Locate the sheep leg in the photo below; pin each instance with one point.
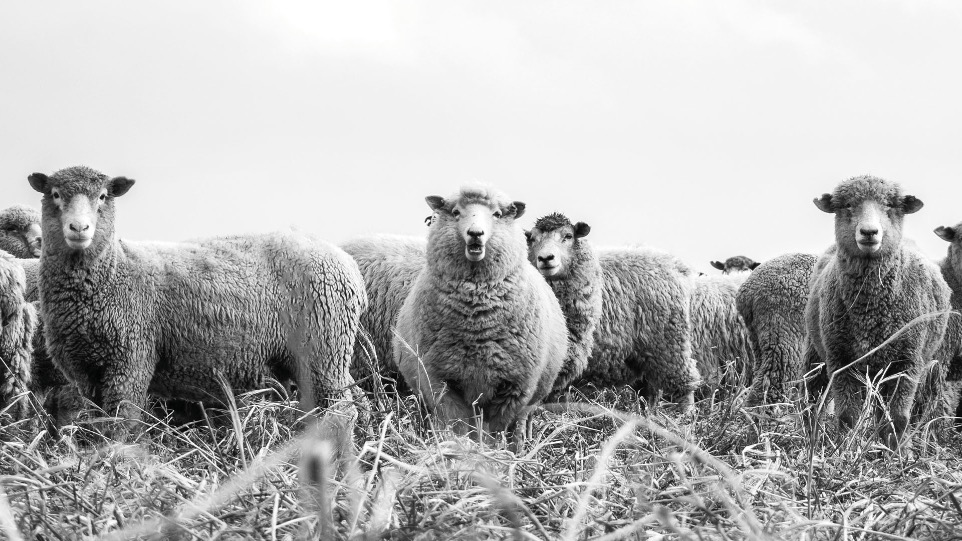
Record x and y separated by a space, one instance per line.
123 393
900 408
849 395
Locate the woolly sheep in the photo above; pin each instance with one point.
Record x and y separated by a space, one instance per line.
390 264
481 328
562 254
643 332
865 290
17 327
20 231
719 336
123 318
772 302
735 264
951 350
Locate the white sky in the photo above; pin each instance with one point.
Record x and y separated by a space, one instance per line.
704 128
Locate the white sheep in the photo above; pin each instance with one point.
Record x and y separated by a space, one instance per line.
772 302
863 291
20 231
124 319
951 350
18 319
480 330
719 337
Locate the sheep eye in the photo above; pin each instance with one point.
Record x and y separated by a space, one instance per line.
103 197
569 236
497 214
455 213
56 195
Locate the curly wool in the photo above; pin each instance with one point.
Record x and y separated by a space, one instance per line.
19 321
719 335
489 334
124 318
772 302
19 231
950 351
390 264
857 302
645 329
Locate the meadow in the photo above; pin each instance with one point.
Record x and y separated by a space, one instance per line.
598 466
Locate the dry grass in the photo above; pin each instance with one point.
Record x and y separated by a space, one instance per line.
595 469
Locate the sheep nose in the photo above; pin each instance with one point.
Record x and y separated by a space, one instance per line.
546 258
475 234
78 229
868 232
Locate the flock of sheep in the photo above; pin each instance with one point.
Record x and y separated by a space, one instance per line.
483 320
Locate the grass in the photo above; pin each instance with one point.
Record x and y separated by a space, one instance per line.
597 468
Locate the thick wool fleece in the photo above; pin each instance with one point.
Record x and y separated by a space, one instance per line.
772 301
579 292
858 302
20 231
719 336
950 352
390 264
645 327
124 319
18 319
489 334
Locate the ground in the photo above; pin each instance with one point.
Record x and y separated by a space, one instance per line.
595 468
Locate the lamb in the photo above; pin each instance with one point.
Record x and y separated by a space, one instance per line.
20 231
734 264
480 328
866 289
951 350
562 254
643 332
719 335
19 319
390 264
124 319
772 302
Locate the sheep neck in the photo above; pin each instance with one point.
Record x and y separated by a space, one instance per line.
86 272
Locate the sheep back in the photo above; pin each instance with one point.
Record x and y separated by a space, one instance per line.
720 341
19 320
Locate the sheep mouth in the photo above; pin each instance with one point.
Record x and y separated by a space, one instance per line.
78 242
474 251
548 270
869 246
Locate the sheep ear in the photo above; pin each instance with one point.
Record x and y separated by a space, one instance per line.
824 203
120 185
527 234
429 220
39 182
436 202
946 233
718 265
754 265
517 208
911 204
581 230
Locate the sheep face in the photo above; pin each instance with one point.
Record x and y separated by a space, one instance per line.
869 213
78 206
952 235
738 263
552 243
20 231
471 222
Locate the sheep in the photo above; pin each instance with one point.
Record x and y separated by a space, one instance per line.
563 255
480 328
865 289
124 319
719 335
643 333
20 231
17 329
389 264
735 264
951 350
772 301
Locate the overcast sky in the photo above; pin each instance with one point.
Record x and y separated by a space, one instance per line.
704 128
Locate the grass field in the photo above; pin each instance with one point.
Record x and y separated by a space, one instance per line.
594 469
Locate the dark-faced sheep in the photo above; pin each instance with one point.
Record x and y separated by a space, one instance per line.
20 231
643 334
772 302
480 330
124 319
865 290
951 350
735 264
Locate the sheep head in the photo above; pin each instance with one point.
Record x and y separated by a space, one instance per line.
738 263
20 231
473 220
78 206
552 244
952 235
869 213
